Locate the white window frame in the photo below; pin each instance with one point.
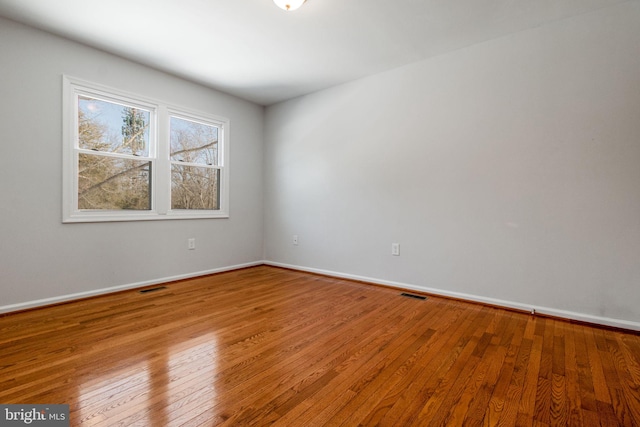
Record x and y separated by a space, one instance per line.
159 134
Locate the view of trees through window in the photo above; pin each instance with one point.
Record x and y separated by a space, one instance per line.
115 159
194 151
109 175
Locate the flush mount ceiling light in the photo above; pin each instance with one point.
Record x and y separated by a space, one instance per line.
289 5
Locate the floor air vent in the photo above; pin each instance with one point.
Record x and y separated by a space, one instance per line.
146 291
404 294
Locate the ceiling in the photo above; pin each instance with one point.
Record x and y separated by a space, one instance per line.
256 51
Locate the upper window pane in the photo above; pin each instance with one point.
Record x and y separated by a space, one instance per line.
112 127
193 142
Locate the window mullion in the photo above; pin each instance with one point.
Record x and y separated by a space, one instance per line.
162 189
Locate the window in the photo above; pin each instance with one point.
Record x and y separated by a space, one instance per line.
130 158
195 174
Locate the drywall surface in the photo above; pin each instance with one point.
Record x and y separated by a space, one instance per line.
40 257
509 170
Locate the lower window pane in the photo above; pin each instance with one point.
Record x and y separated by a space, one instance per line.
113 184
195 187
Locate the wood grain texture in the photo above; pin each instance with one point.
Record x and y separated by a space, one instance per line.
265 345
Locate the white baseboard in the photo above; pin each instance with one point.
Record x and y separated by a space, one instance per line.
603 321
66 298
597 320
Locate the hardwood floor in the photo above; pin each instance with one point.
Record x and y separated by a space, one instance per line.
265 346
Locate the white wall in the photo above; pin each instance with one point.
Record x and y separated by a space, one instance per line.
43 259
508 171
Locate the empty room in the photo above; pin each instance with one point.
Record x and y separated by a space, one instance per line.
320 213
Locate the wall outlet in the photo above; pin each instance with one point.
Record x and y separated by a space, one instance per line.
295 239
191 244
395 249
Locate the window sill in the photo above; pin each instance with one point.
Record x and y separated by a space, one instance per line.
84 217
